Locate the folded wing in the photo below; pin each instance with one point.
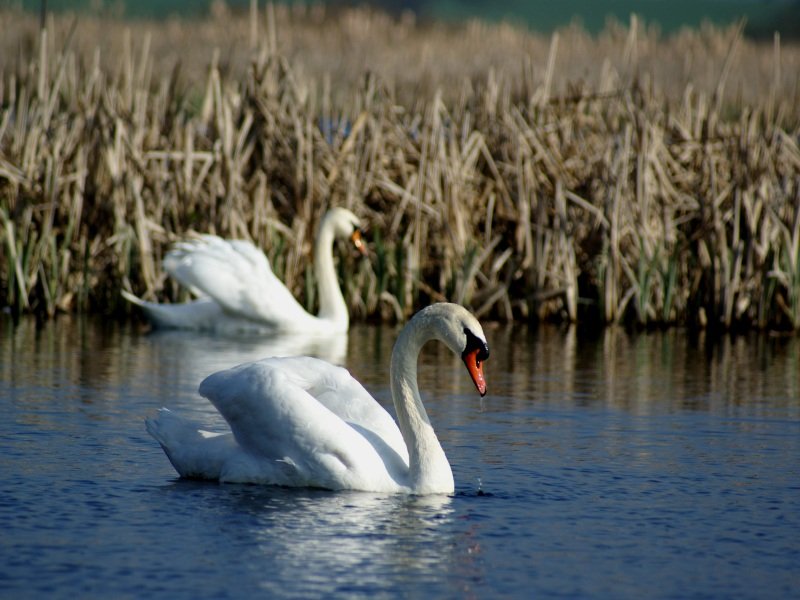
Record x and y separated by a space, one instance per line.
314 416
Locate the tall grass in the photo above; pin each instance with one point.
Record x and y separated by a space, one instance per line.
488 171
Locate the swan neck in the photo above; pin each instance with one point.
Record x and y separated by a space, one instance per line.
428 466
332 306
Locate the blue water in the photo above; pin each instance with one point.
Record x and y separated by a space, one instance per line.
618 466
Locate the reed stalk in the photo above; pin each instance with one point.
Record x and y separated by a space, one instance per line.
489 168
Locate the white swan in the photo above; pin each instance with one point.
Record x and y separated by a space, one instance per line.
237 290
302 422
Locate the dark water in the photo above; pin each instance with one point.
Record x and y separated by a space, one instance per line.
625 467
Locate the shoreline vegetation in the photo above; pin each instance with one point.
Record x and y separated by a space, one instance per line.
624 177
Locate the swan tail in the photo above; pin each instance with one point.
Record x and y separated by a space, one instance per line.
194 453
198 314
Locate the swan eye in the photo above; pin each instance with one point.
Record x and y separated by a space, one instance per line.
477 346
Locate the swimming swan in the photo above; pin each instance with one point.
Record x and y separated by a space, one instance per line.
302 422
237 290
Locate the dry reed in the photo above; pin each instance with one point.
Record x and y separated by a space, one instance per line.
571 178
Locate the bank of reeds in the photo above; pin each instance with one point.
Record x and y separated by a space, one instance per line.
515 191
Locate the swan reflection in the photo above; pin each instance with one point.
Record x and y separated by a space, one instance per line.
209 353
354 538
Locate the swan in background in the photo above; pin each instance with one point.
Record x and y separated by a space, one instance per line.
237 290
301 422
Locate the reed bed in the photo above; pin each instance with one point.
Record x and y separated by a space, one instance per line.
621 178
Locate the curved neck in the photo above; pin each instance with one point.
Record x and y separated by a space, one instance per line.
429 469
331 302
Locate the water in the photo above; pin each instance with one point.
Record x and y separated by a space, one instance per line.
619 466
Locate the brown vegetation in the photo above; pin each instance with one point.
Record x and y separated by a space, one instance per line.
623 177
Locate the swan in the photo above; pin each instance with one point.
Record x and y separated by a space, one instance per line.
237 290
302 422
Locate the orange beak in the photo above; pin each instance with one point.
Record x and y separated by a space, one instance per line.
358 242
475 368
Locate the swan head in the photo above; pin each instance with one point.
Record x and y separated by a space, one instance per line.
345 224
462 333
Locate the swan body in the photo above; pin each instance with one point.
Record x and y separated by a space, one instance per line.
302 422
238 292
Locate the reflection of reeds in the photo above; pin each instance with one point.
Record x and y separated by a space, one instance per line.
522 196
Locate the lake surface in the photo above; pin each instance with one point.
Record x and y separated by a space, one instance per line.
618 466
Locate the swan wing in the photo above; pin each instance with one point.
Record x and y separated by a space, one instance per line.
236 275
312 416
342 394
